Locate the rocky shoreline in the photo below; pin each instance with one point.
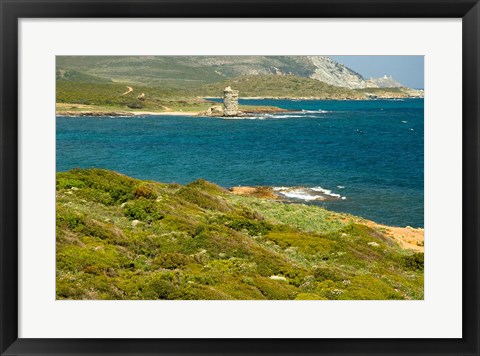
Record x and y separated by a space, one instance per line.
406 94
217 111
214 111
93 113
293 194
408 237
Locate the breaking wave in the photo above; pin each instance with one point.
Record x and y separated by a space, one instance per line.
291 115
319 111
308 194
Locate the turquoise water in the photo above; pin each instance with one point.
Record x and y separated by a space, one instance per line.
369 152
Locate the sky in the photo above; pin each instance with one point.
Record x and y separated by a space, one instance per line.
407 70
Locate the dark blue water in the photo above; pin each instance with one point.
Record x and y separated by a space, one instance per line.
370 152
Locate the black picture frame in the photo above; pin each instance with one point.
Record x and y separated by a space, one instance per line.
13 10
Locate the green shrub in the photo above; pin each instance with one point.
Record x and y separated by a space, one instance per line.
323 273
118 186
414 262
253 227
309 296
172 260
68 219
144 210
275 290
203 200
307 243
144 191
206 186
82 225
94 259
159 289
200 292
369 287
95 195
66 182
329 290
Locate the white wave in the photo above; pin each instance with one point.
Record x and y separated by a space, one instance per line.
297 194
340 186
319 111
285 116
244 118
293 115
404 122
307 194
326 192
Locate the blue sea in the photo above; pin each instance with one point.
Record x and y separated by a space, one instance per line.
367 155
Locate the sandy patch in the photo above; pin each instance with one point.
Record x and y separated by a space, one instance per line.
407 237
166 113
258 192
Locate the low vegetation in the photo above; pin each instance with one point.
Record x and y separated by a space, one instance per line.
123 238
78 92
110 97
285 86
291 86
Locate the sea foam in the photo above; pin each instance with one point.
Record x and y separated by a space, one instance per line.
307 194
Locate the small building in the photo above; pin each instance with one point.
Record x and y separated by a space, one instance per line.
230 102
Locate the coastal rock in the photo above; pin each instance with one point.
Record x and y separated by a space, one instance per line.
216 110
94 113
135 222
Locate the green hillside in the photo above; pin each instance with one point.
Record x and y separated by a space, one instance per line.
178 83
68 75
123 238
291 86
288 86
78 88
183 71
164 71
109 97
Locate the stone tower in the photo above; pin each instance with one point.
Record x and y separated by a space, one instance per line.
230 102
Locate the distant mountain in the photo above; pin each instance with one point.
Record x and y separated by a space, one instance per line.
194 71
386 82
333 73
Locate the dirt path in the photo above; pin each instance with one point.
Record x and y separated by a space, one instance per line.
130 89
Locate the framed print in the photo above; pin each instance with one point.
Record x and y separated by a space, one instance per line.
239 177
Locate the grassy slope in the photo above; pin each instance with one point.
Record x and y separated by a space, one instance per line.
278 86
76 89
104 96
290 86
122 238
76 76
172 71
